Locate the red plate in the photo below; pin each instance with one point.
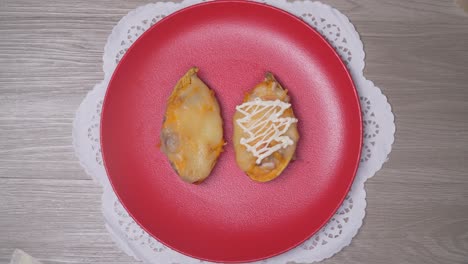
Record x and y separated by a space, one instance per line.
229 218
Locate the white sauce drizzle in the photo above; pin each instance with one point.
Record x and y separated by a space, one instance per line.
268 126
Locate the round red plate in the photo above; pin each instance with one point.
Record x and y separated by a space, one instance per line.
229 218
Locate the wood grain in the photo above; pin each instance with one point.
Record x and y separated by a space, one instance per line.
416 51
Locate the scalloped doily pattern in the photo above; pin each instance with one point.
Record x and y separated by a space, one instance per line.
378 127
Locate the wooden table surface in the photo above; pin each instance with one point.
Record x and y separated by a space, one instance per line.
416 51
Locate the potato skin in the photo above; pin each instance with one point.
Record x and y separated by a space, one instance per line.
192 131
272 166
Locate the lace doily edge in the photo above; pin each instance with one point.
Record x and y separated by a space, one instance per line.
76 131
389 120
350 26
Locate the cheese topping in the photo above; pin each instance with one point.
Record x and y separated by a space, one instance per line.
264 126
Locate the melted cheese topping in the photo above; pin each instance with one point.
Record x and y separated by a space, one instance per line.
264 126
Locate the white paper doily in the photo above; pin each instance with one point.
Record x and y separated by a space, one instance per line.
378 124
